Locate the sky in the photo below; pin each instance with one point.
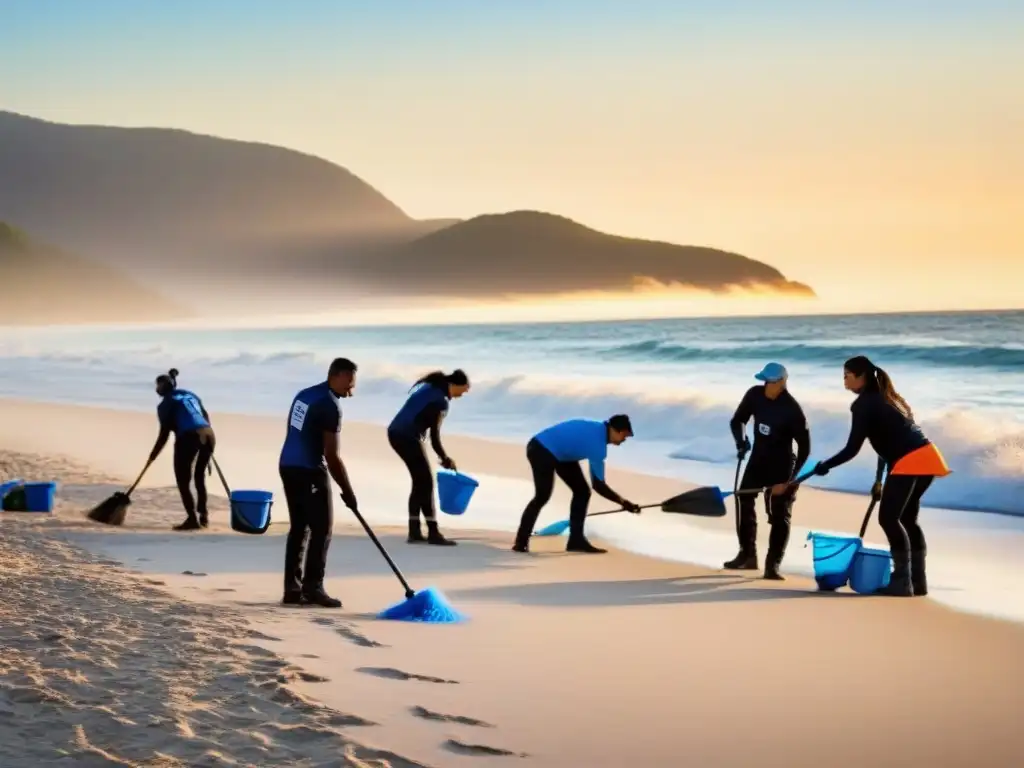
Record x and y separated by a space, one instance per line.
872 149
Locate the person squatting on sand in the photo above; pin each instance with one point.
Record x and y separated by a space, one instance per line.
558 450
424 410
309 452
883 418
778 423
182 413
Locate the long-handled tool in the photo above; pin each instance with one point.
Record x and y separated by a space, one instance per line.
113 510
427 605
561 526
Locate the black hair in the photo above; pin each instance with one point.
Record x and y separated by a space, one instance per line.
167 381
620 423
441 380
877 380
341 365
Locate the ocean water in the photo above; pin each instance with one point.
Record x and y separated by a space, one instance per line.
679 380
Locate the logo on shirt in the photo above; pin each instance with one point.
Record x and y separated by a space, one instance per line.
764 429
298 417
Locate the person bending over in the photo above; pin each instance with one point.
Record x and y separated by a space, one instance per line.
883 418
311 452
183 413
558 450
778 423
423 411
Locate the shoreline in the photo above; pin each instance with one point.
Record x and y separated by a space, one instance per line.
981 579
173 648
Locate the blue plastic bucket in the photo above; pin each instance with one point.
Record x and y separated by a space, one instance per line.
9 485
871 570
833 559
39 497
454 490
250 511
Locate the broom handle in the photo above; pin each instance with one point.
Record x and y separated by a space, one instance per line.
221 476
621 509
373 537
871 506
139 478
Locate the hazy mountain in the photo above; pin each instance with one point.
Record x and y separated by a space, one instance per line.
531 252
40 284
214 221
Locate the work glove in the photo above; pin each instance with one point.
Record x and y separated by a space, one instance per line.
448 463
820 469
742 449
348 498
876 492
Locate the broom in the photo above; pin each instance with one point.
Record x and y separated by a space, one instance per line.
427 605
112 511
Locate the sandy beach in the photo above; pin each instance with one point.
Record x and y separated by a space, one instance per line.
140 646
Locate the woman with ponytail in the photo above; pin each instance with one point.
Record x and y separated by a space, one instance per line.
182 413
883 418
424 410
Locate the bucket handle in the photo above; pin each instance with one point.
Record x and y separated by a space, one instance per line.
839 551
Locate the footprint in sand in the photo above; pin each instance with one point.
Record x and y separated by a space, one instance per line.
192 573
255 634
308 656
155 582
226 589
479 750
349 633
390 673
426 714
298 674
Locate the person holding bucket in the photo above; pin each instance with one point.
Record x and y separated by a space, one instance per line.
883 418
423 411
183 413
779 422
310 452
558 450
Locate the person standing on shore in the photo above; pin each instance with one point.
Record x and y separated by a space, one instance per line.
423 411
883 418
779 422
310 452
558 450
183 413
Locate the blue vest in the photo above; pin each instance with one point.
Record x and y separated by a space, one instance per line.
576 440
304 441
183 410
405 422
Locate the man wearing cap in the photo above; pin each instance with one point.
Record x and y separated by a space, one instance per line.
778 423
558 450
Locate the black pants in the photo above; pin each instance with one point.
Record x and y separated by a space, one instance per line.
311 513
545 466
421 497
898 511
192 454
779 509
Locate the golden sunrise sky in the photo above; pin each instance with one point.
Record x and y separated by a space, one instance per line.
874 150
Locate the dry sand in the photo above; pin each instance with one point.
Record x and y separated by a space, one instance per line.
181 656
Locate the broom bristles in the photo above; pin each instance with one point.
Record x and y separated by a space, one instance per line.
112 511
428 606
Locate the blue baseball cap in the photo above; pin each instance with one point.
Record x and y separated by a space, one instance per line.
772 372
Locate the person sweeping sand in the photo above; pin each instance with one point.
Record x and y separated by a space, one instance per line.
182 412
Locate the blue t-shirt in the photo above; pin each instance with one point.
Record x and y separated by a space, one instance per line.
576 440
420 411
181 411
314 410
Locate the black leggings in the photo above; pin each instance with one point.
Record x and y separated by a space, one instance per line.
192 454
545 466
311 513
421 497
898 511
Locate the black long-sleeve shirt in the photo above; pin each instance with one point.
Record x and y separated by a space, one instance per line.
778 424
890 433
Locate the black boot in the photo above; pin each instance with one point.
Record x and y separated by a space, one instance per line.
777 541
918 579
190 524
415 532
899 583
435 537
317 596
580 544
744 561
